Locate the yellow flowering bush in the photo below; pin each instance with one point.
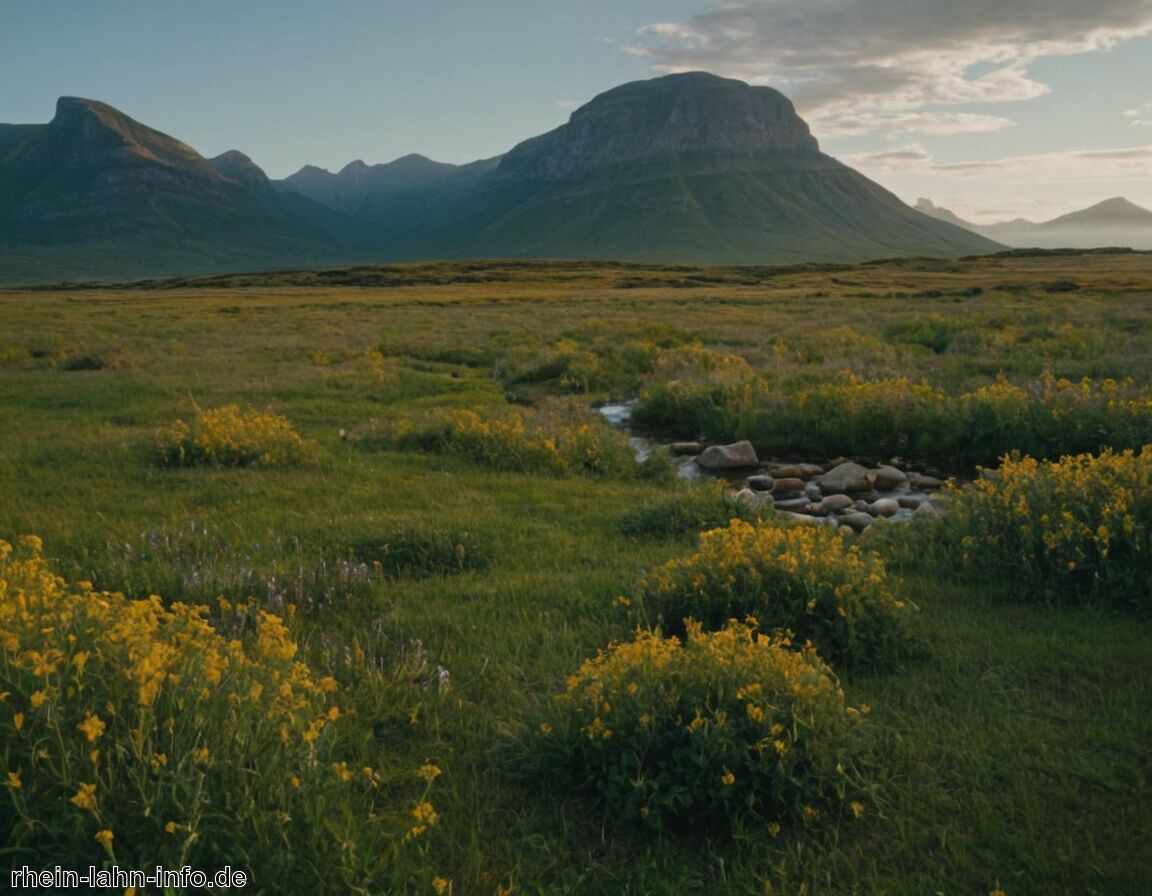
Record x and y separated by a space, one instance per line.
156 736
1046 417
728 723
805 580
558 439
231 437
1077 528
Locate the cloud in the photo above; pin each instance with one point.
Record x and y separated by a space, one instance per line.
1140 117
840 59
1130 162
566 104
853 124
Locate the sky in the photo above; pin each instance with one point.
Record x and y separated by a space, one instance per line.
995 109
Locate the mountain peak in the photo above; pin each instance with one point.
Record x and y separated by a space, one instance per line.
94 132
689 115
238 167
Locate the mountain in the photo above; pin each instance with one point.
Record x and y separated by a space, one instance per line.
688 167
1113 222
95 193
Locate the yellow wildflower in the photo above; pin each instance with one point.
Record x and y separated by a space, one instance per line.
14 781
429 772
728 779
104 838
441 886
92 726
85 797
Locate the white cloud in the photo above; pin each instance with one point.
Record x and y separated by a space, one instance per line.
1140 117
866 122
1129 162
843 60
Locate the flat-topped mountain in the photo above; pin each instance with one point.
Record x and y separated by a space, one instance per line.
688 167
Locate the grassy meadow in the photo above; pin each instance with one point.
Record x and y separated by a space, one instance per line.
413 530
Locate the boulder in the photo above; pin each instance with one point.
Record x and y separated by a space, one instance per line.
884 507
678 449
889 477
856 520
846 477
925 483
926 512
749 498
836 503
788 486
728 457
761 482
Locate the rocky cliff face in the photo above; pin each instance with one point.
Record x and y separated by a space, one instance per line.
694 117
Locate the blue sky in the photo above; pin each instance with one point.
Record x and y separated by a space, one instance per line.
995 108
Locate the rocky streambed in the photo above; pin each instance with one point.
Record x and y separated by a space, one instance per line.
838 492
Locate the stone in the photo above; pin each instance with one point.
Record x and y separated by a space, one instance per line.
761 482
846 477
911 502
750 498
889 477
679 449
836 503
926 512
884 507
925 483
856 520
788 486
736 456
794 505
812 490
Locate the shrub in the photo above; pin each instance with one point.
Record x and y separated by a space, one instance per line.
701 732
804 580
557 439
230 437
146 735
1079 528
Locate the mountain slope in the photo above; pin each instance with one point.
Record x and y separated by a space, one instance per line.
685 167
94 183
688 167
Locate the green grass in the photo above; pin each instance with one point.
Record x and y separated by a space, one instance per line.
1011 751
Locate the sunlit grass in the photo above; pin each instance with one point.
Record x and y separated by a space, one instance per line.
1009 750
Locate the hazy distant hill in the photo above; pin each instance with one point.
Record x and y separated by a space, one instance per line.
94 193
688 167
1113 222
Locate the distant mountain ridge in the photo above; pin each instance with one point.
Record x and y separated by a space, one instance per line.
1113 222
688 167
